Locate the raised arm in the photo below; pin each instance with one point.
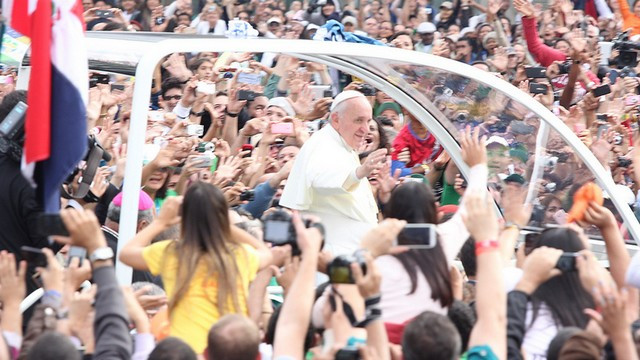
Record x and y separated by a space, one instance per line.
491 327
296 310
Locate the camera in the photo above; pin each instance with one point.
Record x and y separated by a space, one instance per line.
567 262
339 269
461 117
206 147
159 20
367 90
564 67
617 139
623 162
348 353
12 132
627 51
94 156
247 195
278 230
550 187
627 71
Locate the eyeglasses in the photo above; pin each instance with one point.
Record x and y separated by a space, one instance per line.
174 97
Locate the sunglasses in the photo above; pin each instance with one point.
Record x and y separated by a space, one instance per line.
174 97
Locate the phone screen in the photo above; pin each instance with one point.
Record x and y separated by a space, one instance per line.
276 232
418 236
34 256
51 224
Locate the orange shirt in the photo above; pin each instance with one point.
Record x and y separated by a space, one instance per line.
630 20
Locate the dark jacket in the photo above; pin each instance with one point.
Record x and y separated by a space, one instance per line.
516 315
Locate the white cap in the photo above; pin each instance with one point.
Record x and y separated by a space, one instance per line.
349 20
274 19
426 27
497 140
344 96
312 26
447 5
465 31
282 103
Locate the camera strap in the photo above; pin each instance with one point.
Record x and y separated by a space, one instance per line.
89 172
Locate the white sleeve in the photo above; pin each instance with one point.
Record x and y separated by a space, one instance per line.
603 9
170 10
181 111
453 233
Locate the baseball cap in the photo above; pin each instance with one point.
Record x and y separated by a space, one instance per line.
349 20
446 5
426 27
282 103
388 106
274 19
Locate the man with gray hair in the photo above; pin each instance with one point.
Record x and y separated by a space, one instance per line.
328 180
111 228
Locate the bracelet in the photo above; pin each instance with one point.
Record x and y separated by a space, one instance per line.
232 114
197 113
485 246
511 224
372 300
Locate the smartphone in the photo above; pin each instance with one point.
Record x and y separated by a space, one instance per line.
51 224
33 256
202 161
195 130
318 91
5 79
578 128
205 87
567 261
277 232
536 72
421 236
246 95
602 117
535 88
117 87
104 13
602 129
76 252
613 76
601 90
249 78
632 100
285 128
247 147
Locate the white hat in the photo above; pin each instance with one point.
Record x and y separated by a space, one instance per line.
344 96
447 5
426 27
349 20
282 103
274 19
497 140
465 31
312 26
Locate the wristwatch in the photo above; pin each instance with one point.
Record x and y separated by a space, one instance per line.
103 253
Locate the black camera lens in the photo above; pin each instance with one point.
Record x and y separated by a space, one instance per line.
247 195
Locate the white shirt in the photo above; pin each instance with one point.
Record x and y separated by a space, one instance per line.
397 304
323 182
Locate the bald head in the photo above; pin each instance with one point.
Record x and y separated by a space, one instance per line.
233 337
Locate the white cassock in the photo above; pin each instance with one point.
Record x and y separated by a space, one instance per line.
323 182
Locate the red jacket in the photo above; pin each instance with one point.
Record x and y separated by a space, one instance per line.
543 54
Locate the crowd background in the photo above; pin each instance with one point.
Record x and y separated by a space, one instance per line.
223 133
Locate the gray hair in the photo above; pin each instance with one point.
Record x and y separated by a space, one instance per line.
154 289
113 214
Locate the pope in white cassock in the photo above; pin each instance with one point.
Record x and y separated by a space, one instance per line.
327 179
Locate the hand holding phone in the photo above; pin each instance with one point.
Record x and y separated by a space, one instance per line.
34 256
284 128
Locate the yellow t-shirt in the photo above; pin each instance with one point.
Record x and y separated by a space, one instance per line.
198 311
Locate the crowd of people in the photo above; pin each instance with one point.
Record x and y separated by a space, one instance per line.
279 188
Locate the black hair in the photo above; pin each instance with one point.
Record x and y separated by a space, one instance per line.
431 336
172 348
114 26
561 40
382 135
563 294
170 83
270 332
195 64
467 256
415 203
467 39
400 33
55 346
463 318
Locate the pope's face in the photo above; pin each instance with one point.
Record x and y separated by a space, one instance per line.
352 123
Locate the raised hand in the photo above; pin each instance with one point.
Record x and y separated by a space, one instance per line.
473 149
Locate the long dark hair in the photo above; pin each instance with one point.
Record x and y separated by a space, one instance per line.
206 240
415 203
563 294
